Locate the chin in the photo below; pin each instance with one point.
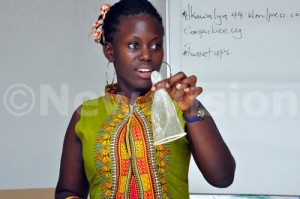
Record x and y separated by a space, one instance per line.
143 85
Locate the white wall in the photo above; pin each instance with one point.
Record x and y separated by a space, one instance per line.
47 62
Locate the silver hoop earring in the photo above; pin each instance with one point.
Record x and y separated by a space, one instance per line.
107 74
170 69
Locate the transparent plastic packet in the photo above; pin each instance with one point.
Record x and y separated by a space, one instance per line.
165 123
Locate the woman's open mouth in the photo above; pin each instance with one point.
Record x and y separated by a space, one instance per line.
144 73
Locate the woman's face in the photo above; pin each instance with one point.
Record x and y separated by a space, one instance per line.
137 51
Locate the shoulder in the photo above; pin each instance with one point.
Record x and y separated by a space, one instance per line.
76 116
91 106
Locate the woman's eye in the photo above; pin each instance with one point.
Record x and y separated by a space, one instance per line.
133 45
156 47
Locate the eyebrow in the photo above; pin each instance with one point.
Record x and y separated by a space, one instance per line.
154 38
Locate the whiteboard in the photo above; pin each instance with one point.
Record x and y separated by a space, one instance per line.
246 57
241 41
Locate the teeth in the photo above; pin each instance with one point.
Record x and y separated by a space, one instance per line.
144 70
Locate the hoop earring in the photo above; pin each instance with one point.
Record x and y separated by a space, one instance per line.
107 74
170 69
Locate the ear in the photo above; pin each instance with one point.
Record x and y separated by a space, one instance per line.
108 51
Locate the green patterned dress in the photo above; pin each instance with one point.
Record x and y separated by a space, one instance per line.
120 159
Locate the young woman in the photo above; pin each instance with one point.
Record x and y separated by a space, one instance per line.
108 148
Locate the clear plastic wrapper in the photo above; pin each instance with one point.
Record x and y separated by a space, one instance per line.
165 123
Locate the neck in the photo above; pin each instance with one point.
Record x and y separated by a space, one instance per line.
132 95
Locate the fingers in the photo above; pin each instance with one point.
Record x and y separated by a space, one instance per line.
181 88
179 80
167 83
186 100
194 91
181 84
159 85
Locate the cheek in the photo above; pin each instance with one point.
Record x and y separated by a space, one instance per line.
121 59
125 57
159 57
123 65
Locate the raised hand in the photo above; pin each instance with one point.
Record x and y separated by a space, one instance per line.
181 88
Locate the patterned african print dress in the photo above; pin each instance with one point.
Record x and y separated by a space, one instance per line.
119 156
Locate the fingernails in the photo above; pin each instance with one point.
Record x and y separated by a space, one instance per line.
153 88
178 86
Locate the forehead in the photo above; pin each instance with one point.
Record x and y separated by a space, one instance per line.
141 23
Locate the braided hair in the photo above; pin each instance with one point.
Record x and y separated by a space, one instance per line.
126 8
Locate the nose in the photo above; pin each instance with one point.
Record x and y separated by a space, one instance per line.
145 53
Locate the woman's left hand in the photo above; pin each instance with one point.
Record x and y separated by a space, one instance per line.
181 88
210 152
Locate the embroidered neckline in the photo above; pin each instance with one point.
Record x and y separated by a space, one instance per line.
112 96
